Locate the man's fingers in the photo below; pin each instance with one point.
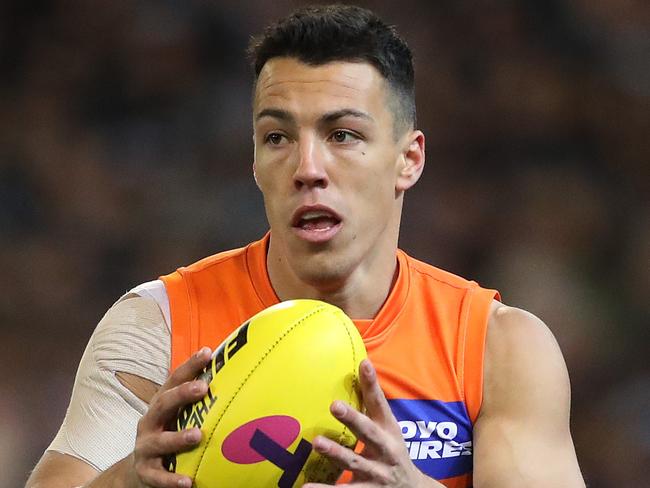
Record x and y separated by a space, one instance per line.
163 443
153 441
164 407
189 370
150 451
374 400
160 478
346 458
366 430
179 390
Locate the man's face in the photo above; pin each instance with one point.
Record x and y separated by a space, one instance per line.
328 164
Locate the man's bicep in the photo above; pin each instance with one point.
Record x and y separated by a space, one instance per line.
522 435
56 470
141 387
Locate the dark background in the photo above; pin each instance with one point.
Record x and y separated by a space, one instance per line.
126 150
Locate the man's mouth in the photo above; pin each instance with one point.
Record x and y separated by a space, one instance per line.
317 220
316 223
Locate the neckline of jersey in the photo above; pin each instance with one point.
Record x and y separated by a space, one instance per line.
371 330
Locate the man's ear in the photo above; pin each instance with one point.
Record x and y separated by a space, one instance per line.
412 162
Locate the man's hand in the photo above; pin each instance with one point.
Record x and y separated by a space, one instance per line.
384 460
155 440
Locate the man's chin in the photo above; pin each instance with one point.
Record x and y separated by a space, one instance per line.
321 272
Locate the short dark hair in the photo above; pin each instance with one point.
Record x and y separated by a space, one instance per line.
320 34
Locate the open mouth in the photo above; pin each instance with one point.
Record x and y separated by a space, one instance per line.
317 220
316 223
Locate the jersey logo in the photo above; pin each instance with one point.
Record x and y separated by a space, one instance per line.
438 435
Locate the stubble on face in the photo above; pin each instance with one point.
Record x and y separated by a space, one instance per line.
359 176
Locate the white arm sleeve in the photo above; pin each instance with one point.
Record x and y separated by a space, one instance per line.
133 337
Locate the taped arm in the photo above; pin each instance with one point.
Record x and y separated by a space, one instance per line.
522 435
126 359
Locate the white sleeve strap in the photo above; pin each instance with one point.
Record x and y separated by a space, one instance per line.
100 424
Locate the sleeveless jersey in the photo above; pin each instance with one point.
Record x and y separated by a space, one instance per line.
426 343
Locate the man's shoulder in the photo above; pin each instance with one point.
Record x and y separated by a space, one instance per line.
510 329
517 337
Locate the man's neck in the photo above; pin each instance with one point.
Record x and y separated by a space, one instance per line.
358 302
360 295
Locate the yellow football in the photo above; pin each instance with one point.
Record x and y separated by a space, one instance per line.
271 383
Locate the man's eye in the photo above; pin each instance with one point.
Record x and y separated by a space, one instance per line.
274 138
342 136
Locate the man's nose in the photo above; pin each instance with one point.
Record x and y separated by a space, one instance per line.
310 172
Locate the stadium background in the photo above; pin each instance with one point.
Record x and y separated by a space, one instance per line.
125 151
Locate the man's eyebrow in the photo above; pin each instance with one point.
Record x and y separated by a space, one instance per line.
276 113
328 117
345 112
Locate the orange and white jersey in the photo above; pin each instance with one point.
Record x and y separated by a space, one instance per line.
427 344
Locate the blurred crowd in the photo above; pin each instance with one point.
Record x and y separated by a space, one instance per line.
126 151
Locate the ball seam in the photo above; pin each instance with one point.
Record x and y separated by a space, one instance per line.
322 460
